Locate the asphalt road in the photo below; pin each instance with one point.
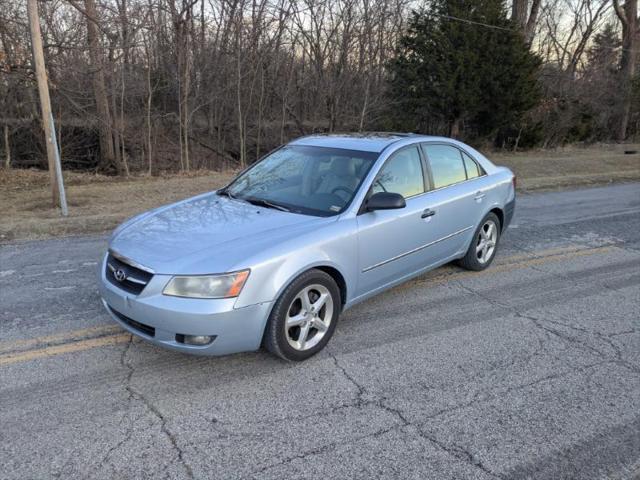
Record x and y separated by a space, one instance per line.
528 370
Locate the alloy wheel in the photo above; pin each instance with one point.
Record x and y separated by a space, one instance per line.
486 242
308 317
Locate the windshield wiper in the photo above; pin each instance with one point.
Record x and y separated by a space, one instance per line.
225 192
266 203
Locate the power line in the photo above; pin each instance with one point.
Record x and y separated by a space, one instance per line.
507 29
473 22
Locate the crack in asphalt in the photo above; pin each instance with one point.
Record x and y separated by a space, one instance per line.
459 452
129 430
566 338
455 450
134 394
164 428
606 338
320 450
360 402
364 398
624 332
361 390
618 357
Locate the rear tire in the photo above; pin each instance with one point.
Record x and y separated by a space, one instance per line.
304 317
483 247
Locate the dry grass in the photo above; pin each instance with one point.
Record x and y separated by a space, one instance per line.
572 166
96 203
99 203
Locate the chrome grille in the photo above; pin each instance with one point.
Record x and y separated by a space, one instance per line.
125 276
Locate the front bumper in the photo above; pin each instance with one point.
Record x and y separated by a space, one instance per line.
161 319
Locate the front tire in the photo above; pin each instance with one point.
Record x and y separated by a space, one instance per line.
304 317
484 244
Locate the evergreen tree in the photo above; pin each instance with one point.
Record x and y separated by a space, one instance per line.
463 65
604 54
600 84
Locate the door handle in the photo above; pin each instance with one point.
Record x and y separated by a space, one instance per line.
428 213
479 195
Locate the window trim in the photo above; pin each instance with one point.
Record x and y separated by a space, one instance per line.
478 166
460 151
426 167
426 170
426 180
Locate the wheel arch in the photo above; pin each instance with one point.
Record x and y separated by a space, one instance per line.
337 277
498 212
329 269
287 273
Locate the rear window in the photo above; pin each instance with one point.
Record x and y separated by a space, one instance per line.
473 169
446 164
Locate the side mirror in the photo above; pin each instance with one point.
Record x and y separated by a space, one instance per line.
385 201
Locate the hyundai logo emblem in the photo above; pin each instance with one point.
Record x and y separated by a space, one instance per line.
120 275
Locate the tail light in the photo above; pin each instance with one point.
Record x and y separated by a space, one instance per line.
514 181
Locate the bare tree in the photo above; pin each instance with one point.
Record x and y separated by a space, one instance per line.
149 85
526 16
105 122
628 16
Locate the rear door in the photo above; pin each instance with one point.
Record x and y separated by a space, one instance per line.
457 196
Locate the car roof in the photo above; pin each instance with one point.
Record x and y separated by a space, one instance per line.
366 141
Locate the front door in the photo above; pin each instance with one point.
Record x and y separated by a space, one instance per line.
391 241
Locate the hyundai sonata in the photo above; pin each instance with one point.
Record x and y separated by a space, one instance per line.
313 228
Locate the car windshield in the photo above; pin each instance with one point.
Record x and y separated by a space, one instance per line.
304 179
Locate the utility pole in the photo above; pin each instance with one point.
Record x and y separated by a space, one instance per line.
53 155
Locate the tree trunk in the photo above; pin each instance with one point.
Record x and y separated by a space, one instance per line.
180 129
149 94
525 18
454 128
241 136
185 114
115 131
260 112
7 148
520 12
365 105
123 156
107 151
182 20
628 15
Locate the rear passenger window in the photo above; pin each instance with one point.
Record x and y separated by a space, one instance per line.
473 170
446 165
401 174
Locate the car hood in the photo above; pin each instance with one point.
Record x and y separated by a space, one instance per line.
205 234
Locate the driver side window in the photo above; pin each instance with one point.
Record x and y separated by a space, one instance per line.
402 174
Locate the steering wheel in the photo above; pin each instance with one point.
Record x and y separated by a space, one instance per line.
347 190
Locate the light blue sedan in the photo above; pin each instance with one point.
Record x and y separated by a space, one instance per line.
310 230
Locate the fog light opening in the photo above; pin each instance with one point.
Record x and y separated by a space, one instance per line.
197 340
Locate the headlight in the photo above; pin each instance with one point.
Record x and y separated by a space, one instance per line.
207 286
